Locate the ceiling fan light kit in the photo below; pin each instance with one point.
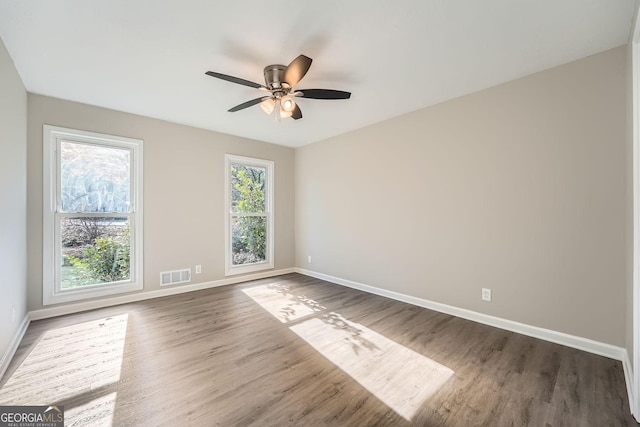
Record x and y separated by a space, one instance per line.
279 81
268 105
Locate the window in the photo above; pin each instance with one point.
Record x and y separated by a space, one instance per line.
92 215
249 214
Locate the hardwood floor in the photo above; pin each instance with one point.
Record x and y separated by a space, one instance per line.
294 350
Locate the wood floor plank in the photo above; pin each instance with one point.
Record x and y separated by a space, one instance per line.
295 350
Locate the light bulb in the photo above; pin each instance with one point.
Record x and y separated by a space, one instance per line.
268 105
288 104
285 114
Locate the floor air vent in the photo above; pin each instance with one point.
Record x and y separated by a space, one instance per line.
174 277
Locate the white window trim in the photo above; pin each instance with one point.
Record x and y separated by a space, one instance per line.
51 294
229 269
634 389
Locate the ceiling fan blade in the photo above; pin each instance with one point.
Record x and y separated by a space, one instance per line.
296 114
296 70
322 94
235 80
248 104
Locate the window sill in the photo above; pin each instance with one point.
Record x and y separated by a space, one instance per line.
251 268
89 293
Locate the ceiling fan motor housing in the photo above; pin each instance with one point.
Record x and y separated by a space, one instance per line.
273 75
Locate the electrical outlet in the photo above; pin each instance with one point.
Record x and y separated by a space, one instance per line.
486 294
309 259
198 269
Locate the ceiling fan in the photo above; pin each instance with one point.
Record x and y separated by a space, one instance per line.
279 81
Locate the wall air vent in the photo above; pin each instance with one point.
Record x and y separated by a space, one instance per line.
174 277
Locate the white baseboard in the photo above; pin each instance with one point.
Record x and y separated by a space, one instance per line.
13 347
628 379
124 299
580 343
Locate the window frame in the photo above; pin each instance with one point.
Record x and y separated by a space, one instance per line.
269 165
52 293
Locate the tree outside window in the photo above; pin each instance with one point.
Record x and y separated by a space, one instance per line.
249 214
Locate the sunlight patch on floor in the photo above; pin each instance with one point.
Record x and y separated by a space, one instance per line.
71 362
96 413
398 376
281 303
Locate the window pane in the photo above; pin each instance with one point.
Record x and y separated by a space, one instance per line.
94 250
248 189
94 178
248 239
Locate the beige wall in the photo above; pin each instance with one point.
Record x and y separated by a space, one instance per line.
520 188
183 189
13 193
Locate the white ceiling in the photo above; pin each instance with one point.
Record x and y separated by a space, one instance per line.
149 57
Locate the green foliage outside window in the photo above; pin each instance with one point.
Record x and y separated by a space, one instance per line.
107 259
248 232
